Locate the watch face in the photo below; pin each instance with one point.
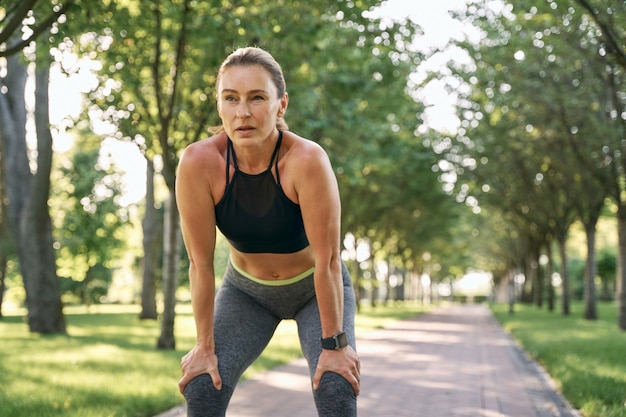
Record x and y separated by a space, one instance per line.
342 340
338 341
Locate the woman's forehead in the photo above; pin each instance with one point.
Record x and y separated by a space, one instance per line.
249 77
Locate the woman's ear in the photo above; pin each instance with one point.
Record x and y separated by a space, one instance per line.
283 105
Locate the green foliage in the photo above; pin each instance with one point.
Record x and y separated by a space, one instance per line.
539 127
577 274
107 365
584 358
607 269
534 90
607 264
90 222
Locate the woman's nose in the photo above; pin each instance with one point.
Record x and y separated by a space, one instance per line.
243 111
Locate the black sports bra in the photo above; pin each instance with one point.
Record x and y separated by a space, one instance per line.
255 215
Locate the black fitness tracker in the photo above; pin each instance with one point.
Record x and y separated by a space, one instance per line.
336 342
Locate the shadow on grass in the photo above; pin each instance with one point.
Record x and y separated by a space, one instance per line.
106 365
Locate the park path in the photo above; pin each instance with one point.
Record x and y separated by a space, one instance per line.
455 361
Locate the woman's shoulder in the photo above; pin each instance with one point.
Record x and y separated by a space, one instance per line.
304 160
205 152
302 148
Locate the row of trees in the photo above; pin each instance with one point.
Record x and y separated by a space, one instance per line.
537 147
542 139
347 78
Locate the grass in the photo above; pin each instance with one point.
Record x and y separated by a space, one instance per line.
107 365
586 359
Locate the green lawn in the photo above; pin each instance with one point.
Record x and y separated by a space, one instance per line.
108 366
587 359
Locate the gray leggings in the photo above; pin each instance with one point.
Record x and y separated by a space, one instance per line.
246 315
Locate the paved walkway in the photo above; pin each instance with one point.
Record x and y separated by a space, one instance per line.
455 361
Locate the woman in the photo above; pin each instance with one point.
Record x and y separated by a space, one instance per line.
274 196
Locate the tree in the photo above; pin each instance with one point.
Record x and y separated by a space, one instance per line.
534 82
27 187
609 46
607 16
152 226
6 243
16 12
28 193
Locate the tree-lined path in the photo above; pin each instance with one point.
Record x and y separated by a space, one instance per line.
453 361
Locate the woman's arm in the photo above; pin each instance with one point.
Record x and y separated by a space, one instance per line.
318 196
196 208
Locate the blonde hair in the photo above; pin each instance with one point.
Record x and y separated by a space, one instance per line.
249 56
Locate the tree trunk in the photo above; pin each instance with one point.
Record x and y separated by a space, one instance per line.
13 131
526 295
374 293
3 274
171 258
45 308
591 310
387 281
13 137
537 276
565 301
28 197
356 280
510 277
5 240
152 237
401 286
549 272
621 267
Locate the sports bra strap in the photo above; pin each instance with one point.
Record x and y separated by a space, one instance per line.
229 145
231 149
275 155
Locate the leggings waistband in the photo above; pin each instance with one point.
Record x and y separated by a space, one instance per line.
273 283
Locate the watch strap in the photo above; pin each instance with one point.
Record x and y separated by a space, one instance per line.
335 342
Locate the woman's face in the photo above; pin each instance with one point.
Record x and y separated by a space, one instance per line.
248 105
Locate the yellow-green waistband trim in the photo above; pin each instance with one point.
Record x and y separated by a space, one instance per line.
274 283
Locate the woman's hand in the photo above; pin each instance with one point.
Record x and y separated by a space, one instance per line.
199 361
344 362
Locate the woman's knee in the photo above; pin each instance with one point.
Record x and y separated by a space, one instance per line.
203 399
335 396
334 384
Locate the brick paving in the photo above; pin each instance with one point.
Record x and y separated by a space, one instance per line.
455 361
